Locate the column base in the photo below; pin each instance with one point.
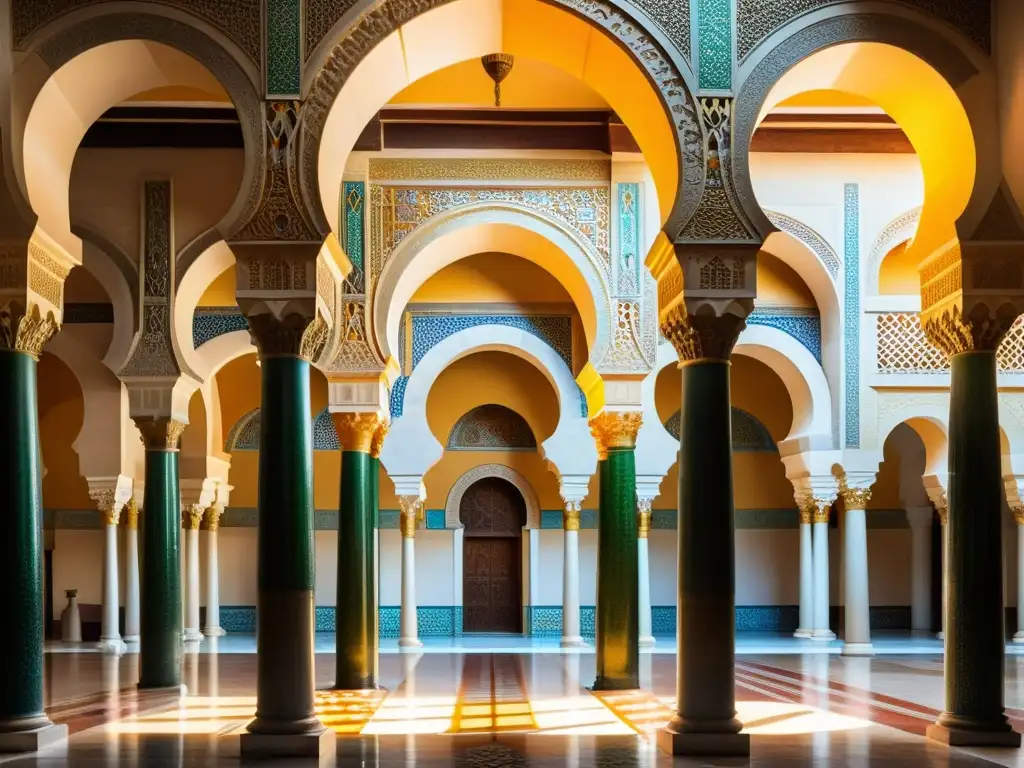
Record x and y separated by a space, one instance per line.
572 642
646 641
33 740
704 744
964 737
857 649
409 642
823 635
213 632
112 646
806 633
193 636
269 745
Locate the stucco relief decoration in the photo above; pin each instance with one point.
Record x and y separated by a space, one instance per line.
718 215
491 428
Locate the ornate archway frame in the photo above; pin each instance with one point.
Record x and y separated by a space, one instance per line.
953 56
84 30
362 28
460 486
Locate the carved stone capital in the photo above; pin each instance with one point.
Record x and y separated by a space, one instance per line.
377 443
356 431
615 429
160 434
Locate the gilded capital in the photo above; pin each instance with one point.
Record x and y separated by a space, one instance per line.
211 518
192 517
131 514
356 430
377 444
160 434
615 430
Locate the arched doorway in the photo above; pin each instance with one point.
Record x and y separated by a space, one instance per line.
493 512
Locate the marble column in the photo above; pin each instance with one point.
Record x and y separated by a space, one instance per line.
920 519
975 644
617 620
352 631
408 632
571 637
192 518
110 634
286 724
819 520
160 651
856 598
211 527
806 621
644 571
131 574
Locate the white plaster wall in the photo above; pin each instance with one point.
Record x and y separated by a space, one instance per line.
77 564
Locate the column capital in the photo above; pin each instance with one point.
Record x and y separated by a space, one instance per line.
357 431
615 429
192 517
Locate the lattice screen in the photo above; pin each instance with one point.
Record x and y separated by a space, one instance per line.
903 348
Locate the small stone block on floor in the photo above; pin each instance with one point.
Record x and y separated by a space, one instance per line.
258 746
34 740
956 737
704 744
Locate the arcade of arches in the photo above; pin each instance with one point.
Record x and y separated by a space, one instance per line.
612 331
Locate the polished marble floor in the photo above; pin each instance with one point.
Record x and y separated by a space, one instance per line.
507 707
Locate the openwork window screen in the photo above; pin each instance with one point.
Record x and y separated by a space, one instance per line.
903 348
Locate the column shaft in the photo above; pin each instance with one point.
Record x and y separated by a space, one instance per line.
285 612
617 632
21 547
806 628
571 578
352 661
821 594
974 613
706 631
161 622
856 601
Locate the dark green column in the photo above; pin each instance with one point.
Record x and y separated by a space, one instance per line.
284 611
355 516
705 721
21 547
617 627
160 624
974 632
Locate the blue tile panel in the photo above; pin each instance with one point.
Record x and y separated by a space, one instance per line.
851 310
803 326
210 322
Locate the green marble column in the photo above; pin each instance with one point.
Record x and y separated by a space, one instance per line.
160 620
355 519
706 589
21 547
284 612
974 633
617 621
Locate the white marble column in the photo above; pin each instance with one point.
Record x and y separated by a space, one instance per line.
644 568
856 596
132 617
110 510
408 632
1018 518
191 519
821 595
806 625
211 525
571 575
920 519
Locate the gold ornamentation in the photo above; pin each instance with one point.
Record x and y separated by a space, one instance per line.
25 329
615 429
377 444
356 430
701 336
484 169
131 510
211 518
571 516
192 517
160 434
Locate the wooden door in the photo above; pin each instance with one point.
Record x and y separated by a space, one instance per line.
493 513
